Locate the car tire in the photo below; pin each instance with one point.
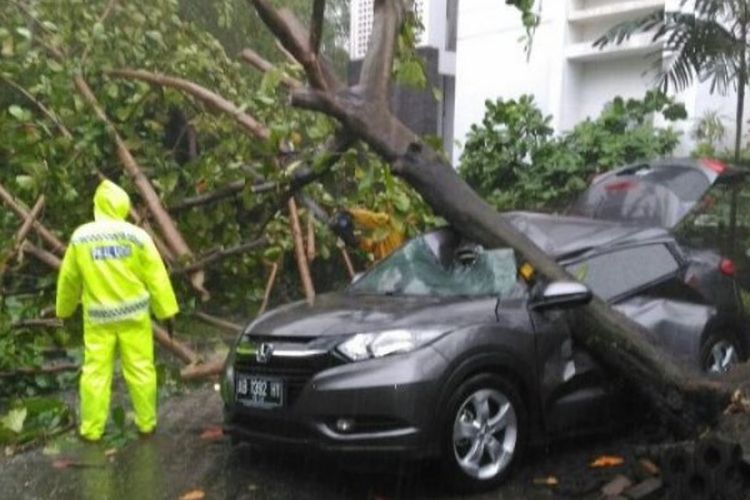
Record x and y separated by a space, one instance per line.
721 352
484 434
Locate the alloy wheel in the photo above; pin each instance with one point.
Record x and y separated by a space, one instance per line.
485 433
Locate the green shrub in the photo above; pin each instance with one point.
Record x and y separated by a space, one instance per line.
515 161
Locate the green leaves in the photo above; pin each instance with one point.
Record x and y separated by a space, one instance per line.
514 160
14 419
19 113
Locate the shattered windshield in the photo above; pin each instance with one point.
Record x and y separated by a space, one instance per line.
426 267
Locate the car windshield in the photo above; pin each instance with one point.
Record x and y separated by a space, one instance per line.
439 264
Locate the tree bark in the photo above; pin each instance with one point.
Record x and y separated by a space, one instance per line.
232 189
22 212
269 287
42 370
213 100
221 323
299 251
21 235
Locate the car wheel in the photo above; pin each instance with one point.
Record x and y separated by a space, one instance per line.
484 434
720 353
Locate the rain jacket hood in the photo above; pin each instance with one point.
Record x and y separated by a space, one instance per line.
111 202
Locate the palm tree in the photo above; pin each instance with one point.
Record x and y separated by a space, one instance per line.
708 43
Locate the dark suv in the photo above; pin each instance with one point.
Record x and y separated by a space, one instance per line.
442 351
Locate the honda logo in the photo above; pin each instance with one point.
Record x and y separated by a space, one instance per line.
263 353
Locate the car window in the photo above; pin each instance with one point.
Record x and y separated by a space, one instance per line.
708 224
422 268
656 197
614 274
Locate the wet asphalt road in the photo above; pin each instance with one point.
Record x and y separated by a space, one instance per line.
177 460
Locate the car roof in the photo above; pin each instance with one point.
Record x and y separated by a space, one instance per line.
563 236
654 193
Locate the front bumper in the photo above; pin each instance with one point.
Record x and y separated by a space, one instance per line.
389 401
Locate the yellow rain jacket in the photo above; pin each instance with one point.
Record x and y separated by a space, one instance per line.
113 268
377 221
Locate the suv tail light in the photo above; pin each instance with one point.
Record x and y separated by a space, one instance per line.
727 267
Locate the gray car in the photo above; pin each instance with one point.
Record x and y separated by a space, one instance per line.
442 351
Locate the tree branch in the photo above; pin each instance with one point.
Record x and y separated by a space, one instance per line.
211 99
219 255
232 189
22 213
316 25
299 251
47 112
21 235
255 60
221 323
293 36
269 287
105 14
43 370
375 77
37 323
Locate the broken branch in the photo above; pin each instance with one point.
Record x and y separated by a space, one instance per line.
202 370
219 255
255 60
21 235
211 99
42 370
299 251
47 112
221 323
22 212
294 38
269 288
232 189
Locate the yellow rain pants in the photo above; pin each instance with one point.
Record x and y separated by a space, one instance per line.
113 268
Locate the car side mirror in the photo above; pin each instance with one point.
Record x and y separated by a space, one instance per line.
561 295
356 277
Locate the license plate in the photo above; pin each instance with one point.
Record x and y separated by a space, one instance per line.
260 392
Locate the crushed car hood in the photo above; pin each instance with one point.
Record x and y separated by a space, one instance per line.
343 313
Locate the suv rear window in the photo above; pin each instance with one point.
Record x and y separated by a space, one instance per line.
651 196
615 274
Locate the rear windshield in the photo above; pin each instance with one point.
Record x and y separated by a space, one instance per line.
649 196
416 269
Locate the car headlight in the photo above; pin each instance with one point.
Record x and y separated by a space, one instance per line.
376 345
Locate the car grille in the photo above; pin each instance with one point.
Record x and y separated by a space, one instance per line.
296 372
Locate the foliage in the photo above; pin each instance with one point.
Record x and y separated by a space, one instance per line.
54 145
32 419
709 133
708 41
514 160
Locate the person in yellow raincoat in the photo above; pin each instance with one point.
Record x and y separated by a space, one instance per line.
391 238
113 268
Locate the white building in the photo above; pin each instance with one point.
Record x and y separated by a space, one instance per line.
570 79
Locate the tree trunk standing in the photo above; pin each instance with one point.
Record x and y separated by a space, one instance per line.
683 399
